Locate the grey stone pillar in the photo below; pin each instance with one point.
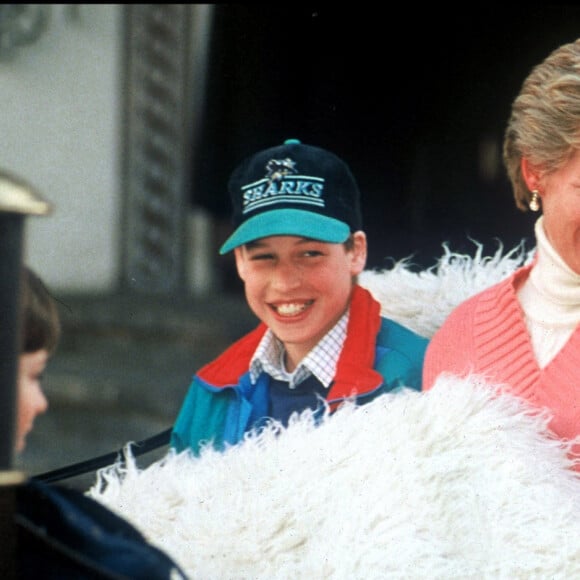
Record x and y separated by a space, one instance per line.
159 93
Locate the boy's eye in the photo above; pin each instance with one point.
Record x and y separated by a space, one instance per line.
312 253
261 257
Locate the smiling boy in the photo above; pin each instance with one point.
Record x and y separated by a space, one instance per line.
299 247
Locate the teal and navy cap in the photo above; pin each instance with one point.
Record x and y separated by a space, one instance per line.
293 190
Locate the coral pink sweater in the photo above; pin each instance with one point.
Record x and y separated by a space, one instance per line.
487 335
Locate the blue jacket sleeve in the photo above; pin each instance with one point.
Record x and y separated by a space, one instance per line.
400 356
201 418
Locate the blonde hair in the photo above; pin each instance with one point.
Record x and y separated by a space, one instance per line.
544 126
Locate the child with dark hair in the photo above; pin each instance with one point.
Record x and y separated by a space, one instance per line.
40 335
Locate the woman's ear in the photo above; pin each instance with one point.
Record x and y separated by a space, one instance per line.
531 174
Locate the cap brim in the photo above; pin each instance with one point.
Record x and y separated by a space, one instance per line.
288 222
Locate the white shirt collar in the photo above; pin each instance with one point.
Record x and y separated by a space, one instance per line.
321 361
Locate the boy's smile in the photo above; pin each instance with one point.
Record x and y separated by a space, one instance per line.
292 308
299 287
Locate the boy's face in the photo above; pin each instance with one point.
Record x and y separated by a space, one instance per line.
31 399
299 287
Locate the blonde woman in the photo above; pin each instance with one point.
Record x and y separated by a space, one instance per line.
524 331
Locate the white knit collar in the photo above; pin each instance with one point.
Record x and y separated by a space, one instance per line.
554 284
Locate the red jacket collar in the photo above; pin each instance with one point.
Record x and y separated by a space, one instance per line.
354 371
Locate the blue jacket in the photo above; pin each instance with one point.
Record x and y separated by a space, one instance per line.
378 356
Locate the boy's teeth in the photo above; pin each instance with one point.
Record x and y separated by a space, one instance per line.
290 309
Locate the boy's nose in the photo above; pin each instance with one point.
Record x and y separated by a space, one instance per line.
286 276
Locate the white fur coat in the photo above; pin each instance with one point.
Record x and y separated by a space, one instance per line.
462 481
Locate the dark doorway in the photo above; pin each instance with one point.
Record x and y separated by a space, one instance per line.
415 102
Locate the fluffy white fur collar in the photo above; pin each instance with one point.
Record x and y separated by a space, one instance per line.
461 481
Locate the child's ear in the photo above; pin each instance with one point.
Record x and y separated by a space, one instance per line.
359 253
240 261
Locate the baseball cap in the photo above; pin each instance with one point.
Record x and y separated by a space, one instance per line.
293 189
